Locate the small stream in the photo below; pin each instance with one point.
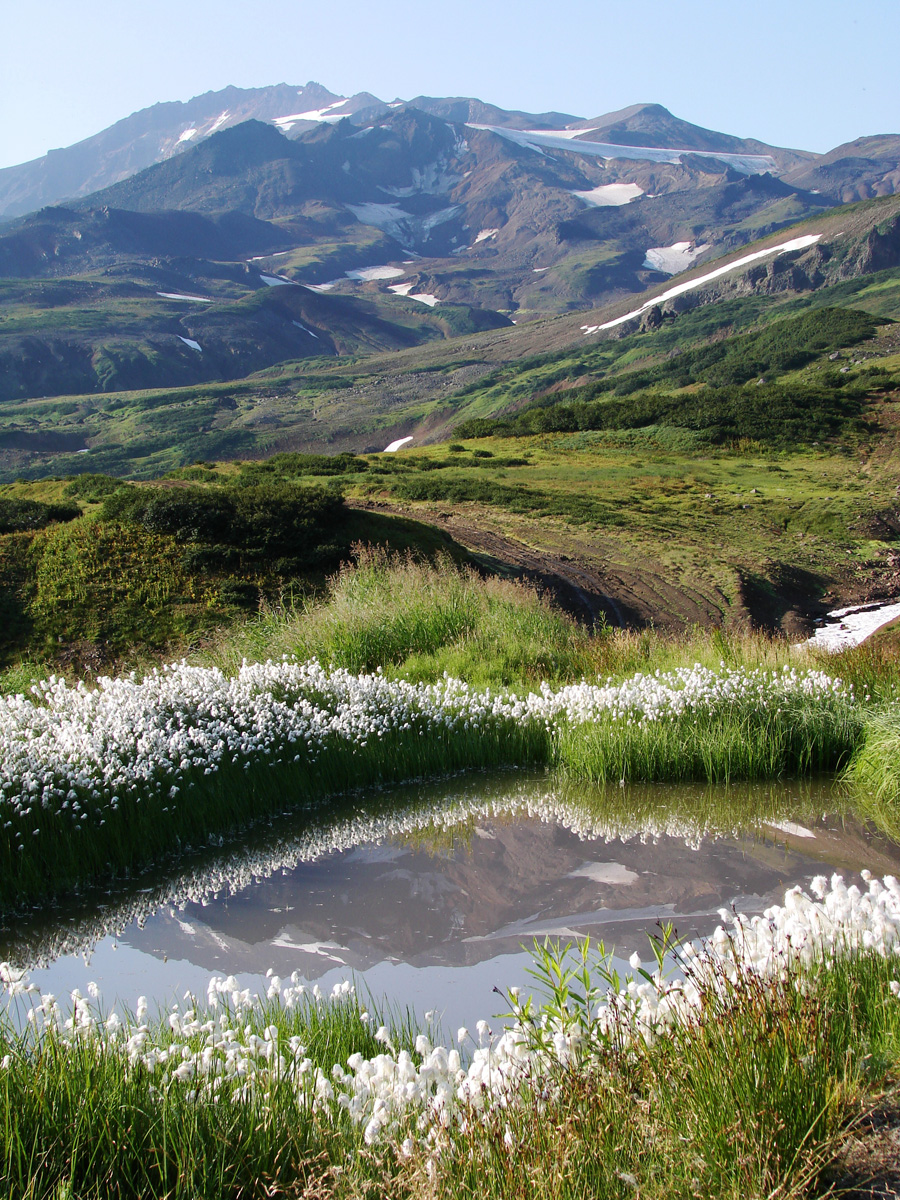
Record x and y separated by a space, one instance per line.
430 895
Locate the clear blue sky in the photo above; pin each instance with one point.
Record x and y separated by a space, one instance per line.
791 72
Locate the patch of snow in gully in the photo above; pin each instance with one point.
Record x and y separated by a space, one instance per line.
425 298
792 828
180 296
800 243
401 289
606 872
305 330
278 281
847 627
672 259
190 342
274 254
564 139
609 195
394 446
285 124
485 234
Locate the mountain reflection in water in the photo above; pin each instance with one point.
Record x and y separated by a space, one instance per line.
430 892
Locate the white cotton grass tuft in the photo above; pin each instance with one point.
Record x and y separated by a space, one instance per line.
71 749
237 1043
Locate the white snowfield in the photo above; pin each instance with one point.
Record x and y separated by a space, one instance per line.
791 828
179 296
218 122
565 139
434 179
672 259
321 287
398 445
609 195
278 281
850 626
367 274
286 124
187 135
484 235
397 222
679 289
274 254
401 289
390 218
425 298
190 342
305 330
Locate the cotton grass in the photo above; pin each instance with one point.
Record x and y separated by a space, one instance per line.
98 782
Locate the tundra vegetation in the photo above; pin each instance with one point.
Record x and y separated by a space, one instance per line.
249 658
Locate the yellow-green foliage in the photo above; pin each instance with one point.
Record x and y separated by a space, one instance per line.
110 583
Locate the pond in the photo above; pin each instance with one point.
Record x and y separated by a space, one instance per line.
430 895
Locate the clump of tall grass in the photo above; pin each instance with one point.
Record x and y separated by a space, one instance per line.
752 1101
84 1113
419 620
874 771
742 725
732 1079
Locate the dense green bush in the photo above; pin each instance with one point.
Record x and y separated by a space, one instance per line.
20 515
92 486
724 407
287 466
287 527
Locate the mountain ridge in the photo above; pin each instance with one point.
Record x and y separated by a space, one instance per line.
165 129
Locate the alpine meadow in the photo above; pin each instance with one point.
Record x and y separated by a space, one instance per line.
449 657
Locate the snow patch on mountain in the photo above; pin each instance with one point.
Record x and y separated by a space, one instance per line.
800 243
390 218
395 446
401 289
367 274
286 124
180 296
305 330
399 224
190 342
573 140
846 627
484 235
672 259
277 281
609 195
434 179
425 298
187 135
274 254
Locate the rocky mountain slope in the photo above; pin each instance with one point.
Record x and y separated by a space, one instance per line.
287 225
377 388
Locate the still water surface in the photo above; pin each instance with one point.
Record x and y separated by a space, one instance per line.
429 895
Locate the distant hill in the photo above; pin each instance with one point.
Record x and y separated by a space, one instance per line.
165 130
252 231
